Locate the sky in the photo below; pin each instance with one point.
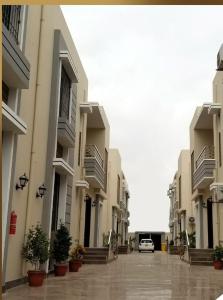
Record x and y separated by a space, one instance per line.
149 67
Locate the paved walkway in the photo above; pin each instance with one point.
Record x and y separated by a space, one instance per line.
136 276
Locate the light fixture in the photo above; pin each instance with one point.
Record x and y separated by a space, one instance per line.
41 191
23 180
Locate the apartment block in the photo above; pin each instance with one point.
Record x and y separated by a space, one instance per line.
48 152
117 210
203 193
93 214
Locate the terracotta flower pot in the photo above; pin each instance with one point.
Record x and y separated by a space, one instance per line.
74 265
35 278
60 269
218 264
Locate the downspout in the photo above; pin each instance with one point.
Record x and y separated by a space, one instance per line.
34 125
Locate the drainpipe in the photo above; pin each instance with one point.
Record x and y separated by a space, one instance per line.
34 125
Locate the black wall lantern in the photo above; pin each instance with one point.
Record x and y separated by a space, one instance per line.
41 191
23 180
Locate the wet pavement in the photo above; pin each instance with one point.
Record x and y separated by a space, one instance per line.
136 276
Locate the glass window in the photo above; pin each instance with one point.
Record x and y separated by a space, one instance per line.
65 87
11 15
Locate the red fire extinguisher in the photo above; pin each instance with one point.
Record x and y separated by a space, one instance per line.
13 220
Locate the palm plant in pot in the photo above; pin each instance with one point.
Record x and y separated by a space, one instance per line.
76 256
36 251
218 257
60 250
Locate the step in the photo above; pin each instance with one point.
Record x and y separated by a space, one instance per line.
95 261
202 263
201 258
191 250
91 257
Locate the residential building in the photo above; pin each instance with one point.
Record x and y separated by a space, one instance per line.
183 188
93 214
173 214
117 210
53 89
125 214
15 80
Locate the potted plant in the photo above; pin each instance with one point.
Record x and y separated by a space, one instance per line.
36 252
218 258
76 256
60 250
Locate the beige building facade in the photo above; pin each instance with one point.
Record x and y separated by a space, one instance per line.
204 192
53 138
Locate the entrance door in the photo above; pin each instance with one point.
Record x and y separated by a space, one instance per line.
87 223
210 224
56 198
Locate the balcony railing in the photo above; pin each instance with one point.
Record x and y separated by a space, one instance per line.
11 19
206 153
205 164
95 173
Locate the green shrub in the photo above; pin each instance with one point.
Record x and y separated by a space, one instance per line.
36 248
218 253
61 244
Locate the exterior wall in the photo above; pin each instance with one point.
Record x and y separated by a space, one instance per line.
98 136
186 206
34 152
218 130
113 205
16 73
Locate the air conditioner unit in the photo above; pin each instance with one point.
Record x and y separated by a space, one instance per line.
220 59
191 220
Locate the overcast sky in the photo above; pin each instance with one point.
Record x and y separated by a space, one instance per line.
149 66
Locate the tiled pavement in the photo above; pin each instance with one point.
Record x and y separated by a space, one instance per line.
136 276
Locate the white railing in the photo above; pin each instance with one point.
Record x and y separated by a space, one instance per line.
206 153
92 151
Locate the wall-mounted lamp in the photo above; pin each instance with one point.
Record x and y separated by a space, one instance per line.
41 191
94 203
204 205
87 197
23 180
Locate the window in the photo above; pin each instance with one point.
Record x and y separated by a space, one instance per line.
219 148
180 192
11 18
118 190
59 150
65 95
5 92
106 168
79 150
192 171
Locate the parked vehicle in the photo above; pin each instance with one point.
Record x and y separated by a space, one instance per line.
146 245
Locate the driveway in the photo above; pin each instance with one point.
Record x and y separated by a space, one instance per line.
136 276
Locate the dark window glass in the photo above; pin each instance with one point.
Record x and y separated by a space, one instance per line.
59 150
219 145
180 192
11 19
5 92
192 171
79 150
64 94
118 189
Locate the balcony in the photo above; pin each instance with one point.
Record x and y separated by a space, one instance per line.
205 164
15 66
93 162
11 121
65 133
